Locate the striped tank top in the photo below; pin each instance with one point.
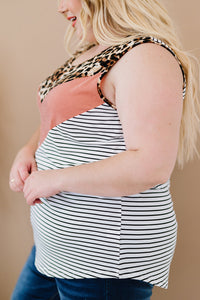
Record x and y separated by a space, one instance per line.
86 236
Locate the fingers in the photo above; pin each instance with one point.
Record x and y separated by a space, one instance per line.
18 176
30 199
16 184
23 166
23 172
30 193
28 196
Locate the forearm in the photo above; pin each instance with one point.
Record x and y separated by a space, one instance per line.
24 163
126 173
32 143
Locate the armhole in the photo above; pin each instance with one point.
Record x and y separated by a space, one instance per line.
130 45
100 91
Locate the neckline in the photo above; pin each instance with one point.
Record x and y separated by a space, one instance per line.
88 60
78 53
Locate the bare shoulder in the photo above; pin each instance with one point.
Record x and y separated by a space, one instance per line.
150 61
148 69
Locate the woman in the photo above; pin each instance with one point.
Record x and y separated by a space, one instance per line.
115 117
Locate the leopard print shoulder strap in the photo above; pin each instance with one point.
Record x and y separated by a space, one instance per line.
113 54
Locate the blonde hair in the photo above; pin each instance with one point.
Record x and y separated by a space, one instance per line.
118 21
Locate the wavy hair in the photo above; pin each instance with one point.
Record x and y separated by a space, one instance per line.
118 21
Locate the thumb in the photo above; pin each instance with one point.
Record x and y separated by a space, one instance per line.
24 173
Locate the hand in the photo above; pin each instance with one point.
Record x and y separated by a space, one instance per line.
23 165
41 184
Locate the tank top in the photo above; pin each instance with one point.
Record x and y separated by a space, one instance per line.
85 236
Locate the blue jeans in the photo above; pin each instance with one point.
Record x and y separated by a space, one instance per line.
34 285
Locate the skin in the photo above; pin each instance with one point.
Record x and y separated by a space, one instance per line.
70 8
146 86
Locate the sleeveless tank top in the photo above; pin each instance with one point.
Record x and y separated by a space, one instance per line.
86 236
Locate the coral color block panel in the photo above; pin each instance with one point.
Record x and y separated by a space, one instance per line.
67 100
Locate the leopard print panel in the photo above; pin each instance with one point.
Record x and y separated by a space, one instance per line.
100 63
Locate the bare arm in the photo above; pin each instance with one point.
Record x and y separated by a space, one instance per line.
32 144
148 87
121 174
24 163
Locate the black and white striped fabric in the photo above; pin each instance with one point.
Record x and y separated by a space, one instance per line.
84 236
